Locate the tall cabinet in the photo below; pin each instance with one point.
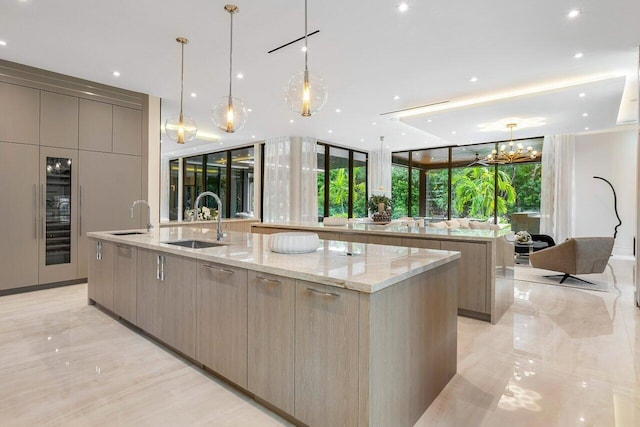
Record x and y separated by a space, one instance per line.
71 161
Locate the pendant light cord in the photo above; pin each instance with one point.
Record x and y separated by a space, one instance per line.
181 78
306 49
230 54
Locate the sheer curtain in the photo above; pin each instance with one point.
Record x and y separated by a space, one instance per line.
556 195
290 180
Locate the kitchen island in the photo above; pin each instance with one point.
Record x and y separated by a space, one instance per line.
485 271
351 334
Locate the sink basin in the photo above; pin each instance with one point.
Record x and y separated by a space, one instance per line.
195 244
126 233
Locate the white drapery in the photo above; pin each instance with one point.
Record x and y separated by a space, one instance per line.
290 180
380 172
556 195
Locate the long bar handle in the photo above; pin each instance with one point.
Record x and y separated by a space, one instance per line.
80 210
160 274
222 270
272 281
99 250
43 210
325 294
35 211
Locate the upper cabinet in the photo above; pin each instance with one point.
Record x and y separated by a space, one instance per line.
58 120
19 114
127 131
95 126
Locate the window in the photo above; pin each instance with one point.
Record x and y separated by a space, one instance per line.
451 182
211 172
342 182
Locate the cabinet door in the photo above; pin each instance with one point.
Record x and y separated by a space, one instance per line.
222 320
270 342
109 183
59 215
58 120
19 213
95 126
473 283
19 114
127 131
124 282
166 297
100 287
326 355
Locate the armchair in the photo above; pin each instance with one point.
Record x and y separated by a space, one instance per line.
579 255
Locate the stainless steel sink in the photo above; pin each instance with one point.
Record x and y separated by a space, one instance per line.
126 233
195 244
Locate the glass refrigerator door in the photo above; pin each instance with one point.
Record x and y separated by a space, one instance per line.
58 211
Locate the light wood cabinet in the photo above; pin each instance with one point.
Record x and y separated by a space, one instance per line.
19 114
19 211
95 126
421 243
271 330
473 281
109 183
127 131
166 298
326 355
100 287
222 320
124 282
58 120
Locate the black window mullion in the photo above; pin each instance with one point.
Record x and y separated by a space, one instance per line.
351 177
227 201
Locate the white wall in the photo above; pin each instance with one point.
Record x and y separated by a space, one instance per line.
613 156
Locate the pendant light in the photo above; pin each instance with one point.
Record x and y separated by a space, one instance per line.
229 113
179 127
305 93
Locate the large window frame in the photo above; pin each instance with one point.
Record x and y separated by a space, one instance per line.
405 159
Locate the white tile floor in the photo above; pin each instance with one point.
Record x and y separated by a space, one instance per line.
559 357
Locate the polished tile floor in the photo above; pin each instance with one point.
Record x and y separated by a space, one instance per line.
559 357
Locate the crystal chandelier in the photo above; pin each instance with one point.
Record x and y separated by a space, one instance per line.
511 152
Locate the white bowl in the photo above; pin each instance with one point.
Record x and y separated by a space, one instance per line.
335 220
295 242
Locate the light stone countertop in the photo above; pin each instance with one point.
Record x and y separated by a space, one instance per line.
396 229
370 268
176 222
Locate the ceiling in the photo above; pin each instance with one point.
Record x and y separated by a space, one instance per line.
368 52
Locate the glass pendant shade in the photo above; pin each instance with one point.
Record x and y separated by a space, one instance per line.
306 93
180 128
229 114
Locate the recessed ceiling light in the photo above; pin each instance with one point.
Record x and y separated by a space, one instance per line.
374 123
193 94
473 79
304 48
585 114
194 148
404 133
3 43
330 131
220 142
249 109
582 95
240 76
578 55
388 146
291 121
361 139
338 110
428 120
586 128
116 73
574 13
253 136
453 132
396 97
403 7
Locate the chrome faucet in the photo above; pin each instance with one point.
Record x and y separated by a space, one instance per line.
219 234
133 205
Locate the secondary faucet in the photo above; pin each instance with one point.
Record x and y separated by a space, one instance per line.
133 205
219 234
